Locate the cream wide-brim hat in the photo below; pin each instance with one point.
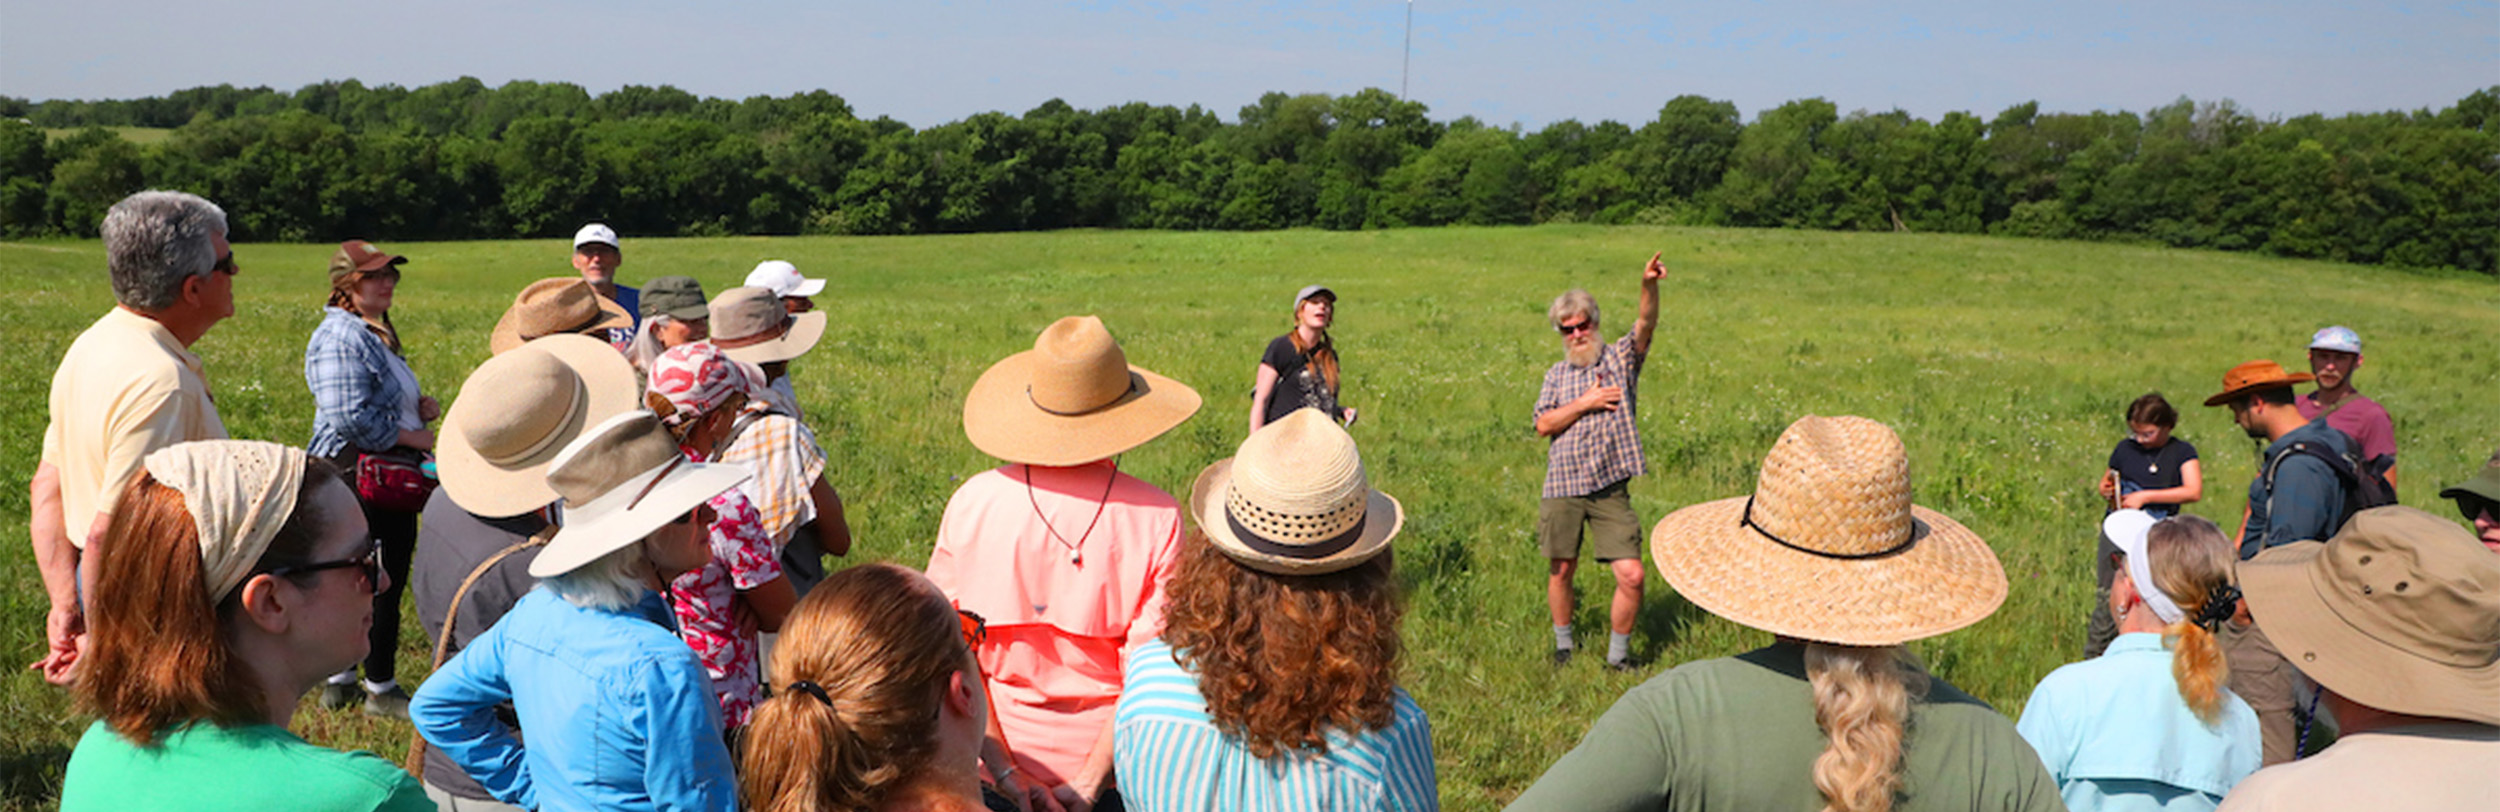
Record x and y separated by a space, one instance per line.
1829 547
1295 500
1071 400
621 480
2399 612
524 406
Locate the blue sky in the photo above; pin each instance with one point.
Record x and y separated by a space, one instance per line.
1532 63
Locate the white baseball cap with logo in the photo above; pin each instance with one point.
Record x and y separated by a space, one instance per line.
783 279
595 233
2338 338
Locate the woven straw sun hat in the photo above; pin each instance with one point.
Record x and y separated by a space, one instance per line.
1295 500
750 324
1072 399
621 480
2400 611
517 410
554 306
1829 547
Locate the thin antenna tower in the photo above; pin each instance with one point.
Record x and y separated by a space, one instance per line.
1407 62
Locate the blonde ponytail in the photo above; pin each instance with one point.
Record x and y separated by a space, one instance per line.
2191 562
1862 702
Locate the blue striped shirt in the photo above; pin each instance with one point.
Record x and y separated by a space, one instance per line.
1170 756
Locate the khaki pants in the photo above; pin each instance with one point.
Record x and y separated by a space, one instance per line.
2264 679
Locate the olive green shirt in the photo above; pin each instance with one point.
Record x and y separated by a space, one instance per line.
1738 734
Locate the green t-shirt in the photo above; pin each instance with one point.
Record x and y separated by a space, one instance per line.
1739 733
208 768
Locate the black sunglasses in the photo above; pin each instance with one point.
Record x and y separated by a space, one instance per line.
1584 325
2474 506
370 563
225 265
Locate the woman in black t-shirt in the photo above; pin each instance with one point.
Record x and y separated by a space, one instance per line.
1299 369
2153 471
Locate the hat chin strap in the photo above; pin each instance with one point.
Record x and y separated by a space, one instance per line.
1316 550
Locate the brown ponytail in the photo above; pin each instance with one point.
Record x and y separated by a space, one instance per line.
1862 702
2191 562
858 681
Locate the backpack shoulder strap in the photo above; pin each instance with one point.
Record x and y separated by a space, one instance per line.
451 617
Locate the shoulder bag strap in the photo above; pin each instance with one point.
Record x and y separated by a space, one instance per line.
451 616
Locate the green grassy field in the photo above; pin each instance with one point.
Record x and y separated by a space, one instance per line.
2003 363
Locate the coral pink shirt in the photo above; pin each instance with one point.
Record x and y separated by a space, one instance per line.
1061 618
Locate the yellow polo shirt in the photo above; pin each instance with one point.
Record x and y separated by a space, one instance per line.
126 388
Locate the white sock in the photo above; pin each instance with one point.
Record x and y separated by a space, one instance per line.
1562 638
383 687
1618 647
347 677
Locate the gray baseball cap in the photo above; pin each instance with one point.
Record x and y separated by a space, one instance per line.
1311 291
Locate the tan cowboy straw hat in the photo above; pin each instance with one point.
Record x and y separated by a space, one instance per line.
621 480
552 306
517 410
2400 612
750 324
1072 399
1829 548
1294 500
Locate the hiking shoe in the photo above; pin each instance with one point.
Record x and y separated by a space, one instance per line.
1622 666
392 703
340 695
1562 657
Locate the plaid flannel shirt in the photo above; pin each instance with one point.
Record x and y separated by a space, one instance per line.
786 462
1600 448
355 396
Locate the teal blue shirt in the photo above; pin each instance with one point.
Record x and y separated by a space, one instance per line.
2117 736
1172 758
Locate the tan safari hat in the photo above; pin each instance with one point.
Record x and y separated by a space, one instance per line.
749 324
621 480
2399 611
517 410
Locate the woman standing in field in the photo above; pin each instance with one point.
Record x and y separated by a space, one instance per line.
1831 557
370 420
1301 709
234 576
1299 369
2151 724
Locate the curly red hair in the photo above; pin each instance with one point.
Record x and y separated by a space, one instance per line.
1283 659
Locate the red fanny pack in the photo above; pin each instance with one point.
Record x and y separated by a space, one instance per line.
394 480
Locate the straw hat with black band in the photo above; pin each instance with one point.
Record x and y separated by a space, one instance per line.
2254 376
517 410
2400 611
555 306
1829 548
1295 500
1072 399
621 480
750 324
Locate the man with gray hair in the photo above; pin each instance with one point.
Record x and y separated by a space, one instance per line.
1585 410
128 386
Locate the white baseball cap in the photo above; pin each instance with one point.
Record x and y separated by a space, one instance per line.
2129 530
595 233
2338 338
784 279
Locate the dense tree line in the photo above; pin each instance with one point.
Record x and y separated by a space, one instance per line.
527 159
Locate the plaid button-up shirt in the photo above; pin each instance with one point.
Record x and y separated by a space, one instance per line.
1601 448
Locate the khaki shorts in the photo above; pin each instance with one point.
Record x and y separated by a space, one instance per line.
1613 531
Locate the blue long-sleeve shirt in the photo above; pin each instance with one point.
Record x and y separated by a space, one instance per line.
2306 501
2116 735
356 396
618 712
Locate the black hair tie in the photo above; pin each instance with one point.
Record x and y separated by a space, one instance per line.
814 690
2219 607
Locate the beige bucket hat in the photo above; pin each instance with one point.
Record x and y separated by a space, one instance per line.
749 324
1829 547
1072 399
2400 612
1295 500
621 480
517 410
554 306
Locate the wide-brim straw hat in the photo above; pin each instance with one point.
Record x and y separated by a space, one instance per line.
621 480
1072 399
2400 611
520 408
556 306
1295 500
2252 376
750 324
1829 547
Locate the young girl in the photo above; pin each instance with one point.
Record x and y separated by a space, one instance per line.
2152 471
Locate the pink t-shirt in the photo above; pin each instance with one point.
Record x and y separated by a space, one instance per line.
2360 417
705 601
1063 612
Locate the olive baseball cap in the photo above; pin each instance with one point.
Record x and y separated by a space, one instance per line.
677 297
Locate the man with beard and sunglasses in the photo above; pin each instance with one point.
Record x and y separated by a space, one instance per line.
1586 412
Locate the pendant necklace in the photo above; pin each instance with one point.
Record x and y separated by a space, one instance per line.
1076 550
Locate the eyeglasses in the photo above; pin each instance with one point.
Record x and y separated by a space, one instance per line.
975 629
370 563
1585 325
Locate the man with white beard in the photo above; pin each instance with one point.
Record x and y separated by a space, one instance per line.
1586 412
